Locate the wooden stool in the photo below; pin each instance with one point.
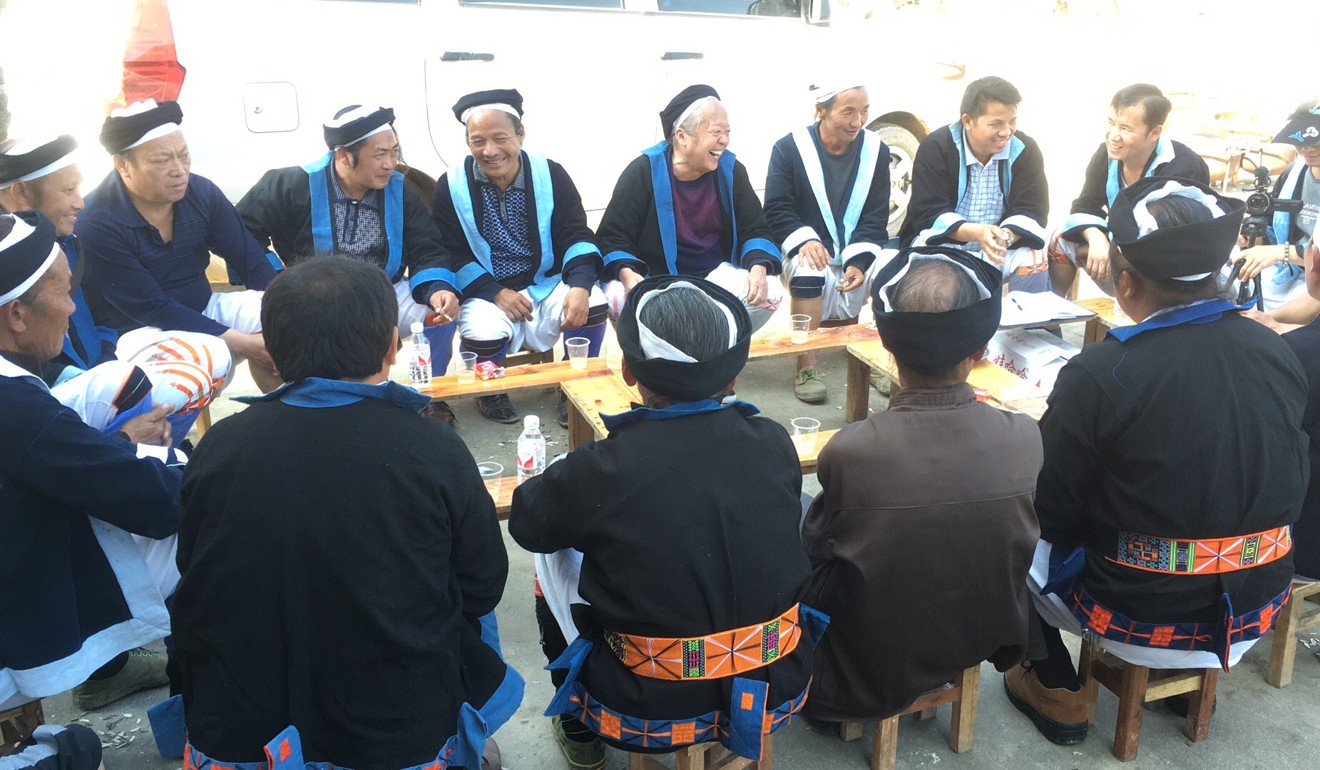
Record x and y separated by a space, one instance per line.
708 756
17 724
962 726
1136 686
1296 616
203 422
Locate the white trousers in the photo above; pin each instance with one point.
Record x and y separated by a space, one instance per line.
726 276
481 320
837 305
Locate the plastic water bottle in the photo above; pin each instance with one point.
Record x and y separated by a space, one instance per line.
531 449
419 356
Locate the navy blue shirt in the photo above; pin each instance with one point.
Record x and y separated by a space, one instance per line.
147 282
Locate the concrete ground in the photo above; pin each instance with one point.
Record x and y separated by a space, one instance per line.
1255 725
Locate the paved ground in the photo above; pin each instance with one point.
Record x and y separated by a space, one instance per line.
1255 726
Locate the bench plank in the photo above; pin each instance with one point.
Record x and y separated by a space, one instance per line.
778 343
515 378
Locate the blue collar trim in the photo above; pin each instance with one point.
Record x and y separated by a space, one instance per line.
1199 313
321 393
646 413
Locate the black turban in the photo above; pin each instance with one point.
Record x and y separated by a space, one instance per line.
934 343
683 380
1184 251
24 162
506 96
27 249
125 128
355 123
679 104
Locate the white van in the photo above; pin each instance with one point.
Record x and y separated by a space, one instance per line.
262 75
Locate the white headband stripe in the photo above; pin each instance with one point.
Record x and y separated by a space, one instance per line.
654 347
691 108
155 133
378 129
501 106
31 280
1146 222
982 292
825 96
49 168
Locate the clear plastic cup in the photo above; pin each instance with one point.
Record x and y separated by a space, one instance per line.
577 351
467 367
492 475
804 435
801 326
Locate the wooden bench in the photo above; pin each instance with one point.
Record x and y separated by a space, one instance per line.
962 693
1136 686
17 724
1003 388
1296 617
590 398
772 344
524 377
708 756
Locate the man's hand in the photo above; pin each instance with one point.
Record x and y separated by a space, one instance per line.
150 428
994 240
1097 254
756 285
515 305
575 307
852 279
1256 259
1266 320
813 254
445 304
629 278
249 346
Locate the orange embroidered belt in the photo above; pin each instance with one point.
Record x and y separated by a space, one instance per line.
727 653
1202 557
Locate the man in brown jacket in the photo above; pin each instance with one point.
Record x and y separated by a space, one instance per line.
918 544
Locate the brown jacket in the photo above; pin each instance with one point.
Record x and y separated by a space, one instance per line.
920 541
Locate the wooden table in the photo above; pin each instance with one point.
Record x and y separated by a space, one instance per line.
1107 316
769 344
1003 388
515 378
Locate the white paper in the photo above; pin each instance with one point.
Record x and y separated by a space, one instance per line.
1022 308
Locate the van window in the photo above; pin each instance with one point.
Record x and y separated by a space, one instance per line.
732 7
558 3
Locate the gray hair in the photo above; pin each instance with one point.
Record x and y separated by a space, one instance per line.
698 117
689 321
933 286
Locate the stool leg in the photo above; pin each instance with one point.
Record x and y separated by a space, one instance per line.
1090 685
767 754
1283 650
962 726
858 396
1131 696
643 762
691 757
850 731
1201 707
924 714
884 745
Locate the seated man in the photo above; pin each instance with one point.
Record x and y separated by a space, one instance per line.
148 233
186 370
827 204
1135 147
1278 261
1175 463
349 202
526 261
686 207
688 542
87 534
979 185
341 599
870 535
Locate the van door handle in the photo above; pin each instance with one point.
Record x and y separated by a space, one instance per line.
677 55
466 56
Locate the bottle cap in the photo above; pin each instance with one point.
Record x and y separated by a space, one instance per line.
531 422
416 327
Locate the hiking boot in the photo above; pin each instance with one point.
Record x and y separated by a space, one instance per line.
144 670
1059 714
563 410
580 756
881 383
439 410
498 408
808 387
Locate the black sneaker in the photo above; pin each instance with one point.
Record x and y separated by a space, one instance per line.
498 408
563 409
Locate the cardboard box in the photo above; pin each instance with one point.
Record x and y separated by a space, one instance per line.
1035 355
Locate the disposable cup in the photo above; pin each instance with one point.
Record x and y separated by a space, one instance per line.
801 327
492 474
467 366
804 434
577 351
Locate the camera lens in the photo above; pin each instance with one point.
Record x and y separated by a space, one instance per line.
1258 204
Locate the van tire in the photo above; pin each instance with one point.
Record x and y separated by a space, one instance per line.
902 150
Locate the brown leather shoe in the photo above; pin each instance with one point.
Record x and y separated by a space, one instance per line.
1059 714
439 410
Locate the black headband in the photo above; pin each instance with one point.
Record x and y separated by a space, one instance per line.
119 133
509 96
349 133
13 166
24 261
1180 251
680 103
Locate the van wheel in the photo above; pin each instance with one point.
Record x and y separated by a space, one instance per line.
902 149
